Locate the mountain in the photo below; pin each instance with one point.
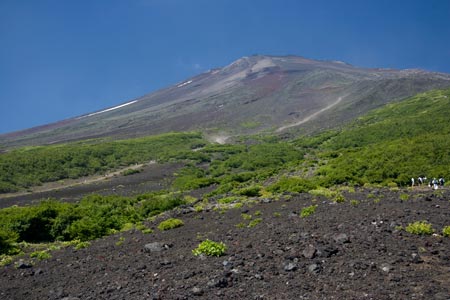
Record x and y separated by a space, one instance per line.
253 94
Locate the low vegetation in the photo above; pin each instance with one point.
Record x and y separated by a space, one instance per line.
307 211
95 216
31 166
210 248
420 228
170 224
386 147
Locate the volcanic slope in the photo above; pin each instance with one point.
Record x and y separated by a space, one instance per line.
253 94
358 249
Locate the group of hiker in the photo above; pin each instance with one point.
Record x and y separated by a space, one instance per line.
433 183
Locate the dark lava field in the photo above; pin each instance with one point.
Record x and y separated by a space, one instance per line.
356 249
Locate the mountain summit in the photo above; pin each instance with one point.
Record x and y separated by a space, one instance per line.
252 94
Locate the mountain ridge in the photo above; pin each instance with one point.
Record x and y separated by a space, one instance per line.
253 94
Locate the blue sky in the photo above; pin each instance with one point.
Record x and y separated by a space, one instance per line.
60 59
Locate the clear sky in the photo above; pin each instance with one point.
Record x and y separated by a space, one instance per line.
61 58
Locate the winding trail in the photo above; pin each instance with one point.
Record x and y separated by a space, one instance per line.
312 116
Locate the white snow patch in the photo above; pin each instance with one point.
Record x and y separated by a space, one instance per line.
184 83
109 109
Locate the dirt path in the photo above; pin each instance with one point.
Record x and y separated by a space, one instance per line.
310 117
67 183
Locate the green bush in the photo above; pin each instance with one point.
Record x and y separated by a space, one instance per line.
254 222
307 211
446 231
292 184
40 255
420 228
210 248
251 191
130 172
170 224
8 241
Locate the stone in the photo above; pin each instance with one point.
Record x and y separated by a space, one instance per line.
309 252
24 265
385 267
154 247
341 238
314 268
289 267
196 291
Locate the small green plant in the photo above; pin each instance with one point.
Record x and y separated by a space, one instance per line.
446 231
198 208
120 241
241 225
398 228
40 255
339 198
420 228
258 213
246 216
254 222
404 197
210 248
277 214
130 172
5 260
127 227
307 211
354 202
377 200
170 224
80 245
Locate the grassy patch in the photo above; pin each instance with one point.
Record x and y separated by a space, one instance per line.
420 228
210 248
307 211
170 224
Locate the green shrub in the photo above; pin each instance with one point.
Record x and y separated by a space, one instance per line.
420 228
5 260
8 241
40 255
404 197
254 222
246 216
339 198
252 191
354 202
130 172
446 231
80 245
210 248
292 184
307 211
170 224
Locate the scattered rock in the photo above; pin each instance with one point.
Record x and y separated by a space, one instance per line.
309 252
314 268
155 247
24 265
341 238
415 258
196 291
385 267
290 266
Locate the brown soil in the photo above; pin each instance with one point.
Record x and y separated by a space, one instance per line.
347 250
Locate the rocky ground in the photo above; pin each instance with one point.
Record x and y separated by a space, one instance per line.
350 250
